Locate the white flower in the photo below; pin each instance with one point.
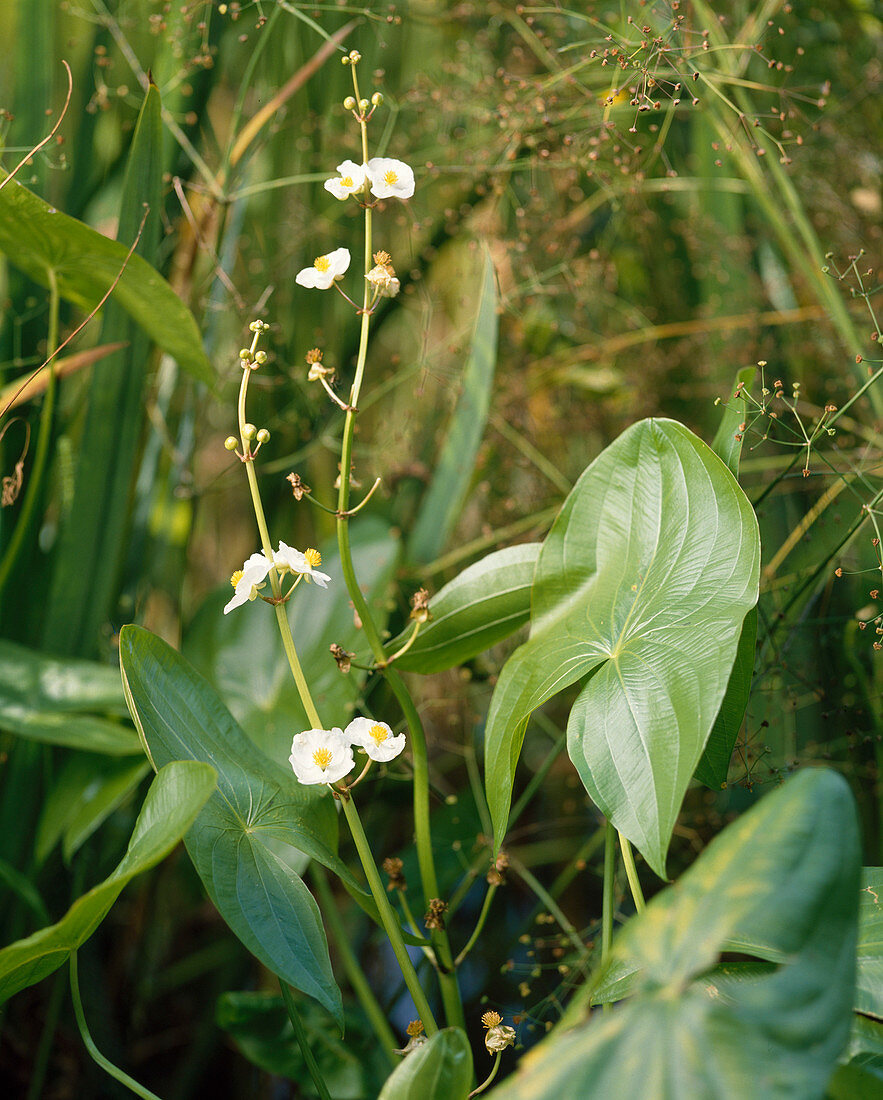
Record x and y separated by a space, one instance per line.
384 281
325 269
351 179
287 559
321 756
390 179
376 738
247 580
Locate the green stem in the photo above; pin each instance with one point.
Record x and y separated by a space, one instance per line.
303 1042
95 1053
632 873
44 1047
609 901
41 455
387 916
482 917
355 974
300 680
490 1076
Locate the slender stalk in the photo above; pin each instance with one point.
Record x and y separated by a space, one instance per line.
303 1042
490 1076
387 916
482 917
632 873
41 455
447 978
355 974
609 901
300 680
94 1052
44 1047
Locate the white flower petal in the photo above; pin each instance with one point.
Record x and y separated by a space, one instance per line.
325 270
376 738
390 178
321 756
350 180
254 573
287 559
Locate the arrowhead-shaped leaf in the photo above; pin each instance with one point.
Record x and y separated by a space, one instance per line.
782 883
173 801
641 586
253 839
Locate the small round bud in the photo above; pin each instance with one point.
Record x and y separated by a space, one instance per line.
249 431
231 443
349 103
355 57
244 354
263 436
255 326
377 99
260 358
364 104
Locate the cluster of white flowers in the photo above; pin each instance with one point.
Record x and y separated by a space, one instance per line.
324 756
385 178
252 577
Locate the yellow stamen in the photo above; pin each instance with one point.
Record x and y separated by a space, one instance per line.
322 758
414 1028
379 733
346 181
491 1019
321 263
313 557
236 577
390 178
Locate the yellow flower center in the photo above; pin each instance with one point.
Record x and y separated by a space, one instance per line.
346 181
390 178
321 263
236 577
379 733
313 557
491 1019
322 758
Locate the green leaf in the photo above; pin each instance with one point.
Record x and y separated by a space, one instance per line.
248 844
480 607
455 469
641 586
45 244
87 789
241 656
48 700
727 442
785 876
172 803
712 769
260 1027
869 977
439 1069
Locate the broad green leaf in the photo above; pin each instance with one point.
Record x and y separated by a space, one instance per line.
865 1047
49 700
715 763
92 546
455 469
727 442
641 587
44 243
869 979
241 655
785 875
172 803
249 842
87 789
259 1025
49 683
480 607
440 1069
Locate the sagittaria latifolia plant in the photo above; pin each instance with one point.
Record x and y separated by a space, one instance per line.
642 595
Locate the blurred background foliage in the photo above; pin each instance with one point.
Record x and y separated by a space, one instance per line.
658 186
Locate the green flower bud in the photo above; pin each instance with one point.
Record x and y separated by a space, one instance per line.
349 103
263 435
231 443
260 358
249 431
244 354
377 98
